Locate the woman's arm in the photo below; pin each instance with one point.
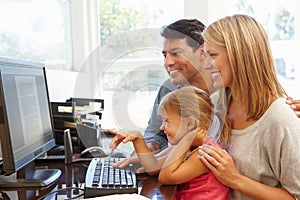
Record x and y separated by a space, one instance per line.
219 162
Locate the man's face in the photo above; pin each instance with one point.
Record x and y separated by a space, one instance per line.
183 64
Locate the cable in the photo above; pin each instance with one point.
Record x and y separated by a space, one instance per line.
63 189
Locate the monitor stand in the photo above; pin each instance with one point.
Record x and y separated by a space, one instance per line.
29 178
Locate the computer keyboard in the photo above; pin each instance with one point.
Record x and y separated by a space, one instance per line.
102 179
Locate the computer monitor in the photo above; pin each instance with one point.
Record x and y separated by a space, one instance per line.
26 128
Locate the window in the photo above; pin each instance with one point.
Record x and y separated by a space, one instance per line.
36 30
64 34
278 19
130 37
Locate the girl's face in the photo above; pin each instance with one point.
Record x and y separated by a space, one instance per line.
174 126
218 64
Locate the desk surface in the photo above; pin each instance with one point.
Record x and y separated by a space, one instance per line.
74 176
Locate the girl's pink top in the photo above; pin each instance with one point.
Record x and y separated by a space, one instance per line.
204 187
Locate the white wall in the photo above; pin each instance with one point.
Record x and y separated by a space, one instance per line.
85 31
60 84
207 11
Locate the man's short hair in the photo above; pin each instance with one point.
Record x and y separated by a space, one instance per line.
185 28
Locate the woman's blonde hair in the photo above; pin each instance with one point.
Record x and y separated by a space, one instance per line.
192 102
254 77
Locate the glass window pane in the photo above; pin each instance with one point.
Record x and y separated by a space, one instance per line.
131 81
35 30
122 16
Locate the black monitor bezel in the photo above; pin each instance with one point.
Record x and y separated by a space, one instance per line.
10 164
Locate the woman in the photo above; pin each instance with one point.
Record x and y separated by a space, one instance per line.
264 149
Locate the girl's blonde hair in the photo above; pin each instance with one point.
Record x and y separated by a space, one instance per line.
254 77
192 102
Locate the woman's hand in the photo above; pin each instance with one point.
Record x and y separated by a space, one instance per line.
220 163
123 136
294 104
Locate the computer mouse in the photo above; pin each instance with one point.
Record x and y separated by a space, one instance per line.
94 152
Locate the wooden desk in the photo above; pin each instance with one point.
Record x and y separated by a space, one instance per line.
74 175
151 188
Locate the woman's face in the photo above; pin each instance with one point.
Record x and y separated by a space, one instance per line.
217 63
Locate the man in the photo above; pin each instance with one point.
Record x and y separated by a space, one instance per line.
184 61
295 105
182 49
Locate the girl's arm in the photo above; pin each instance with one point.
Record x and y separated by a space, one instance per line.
219 162
163 154
146 156
180 172
177 171
151 163
124 137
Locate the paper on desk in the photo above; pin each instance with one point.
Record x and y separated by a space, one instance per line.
121 196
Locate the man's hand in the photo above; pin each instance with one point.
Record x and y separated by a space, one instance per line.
294 104
153 146
132 160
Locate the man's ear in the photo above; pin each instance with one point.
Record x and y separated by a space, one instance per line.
202 52
191 123
201 48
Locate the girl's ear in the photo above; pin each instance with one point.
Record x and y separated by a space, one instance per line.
191 123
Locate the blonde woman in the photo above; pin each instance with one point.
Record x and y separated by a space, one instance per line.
187 116
264 149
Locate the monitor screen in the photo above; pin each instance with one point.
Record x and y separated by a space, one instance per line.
25 118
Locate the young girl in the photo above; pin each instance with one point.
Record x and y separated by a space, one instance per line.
187 116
